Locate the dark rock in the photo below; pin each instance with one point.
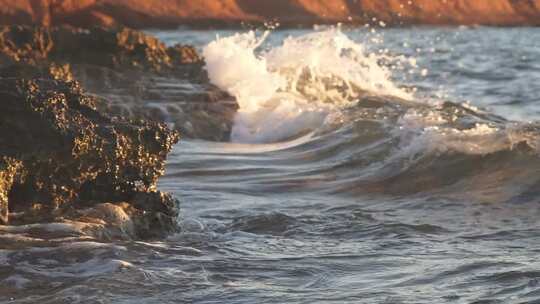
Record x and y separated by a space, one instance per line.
108 48
184 54
136 75
60 155
63 159
8 170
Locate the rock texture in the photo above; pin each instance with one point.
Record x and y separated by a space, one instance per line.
171 13
59 155
135 75
94 155
8 169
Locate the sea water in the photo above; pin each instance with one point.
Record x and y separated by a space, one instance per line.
365 166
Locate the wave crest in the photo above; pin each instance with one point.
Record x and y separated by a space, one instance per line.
291 89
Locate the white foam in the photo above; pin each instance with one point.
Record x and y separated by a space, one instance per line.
427 132
298 87
290 89
232 65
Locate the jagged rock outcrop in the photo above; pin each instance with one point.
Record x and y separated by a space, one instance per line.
215 13
82 133
135 75
60 158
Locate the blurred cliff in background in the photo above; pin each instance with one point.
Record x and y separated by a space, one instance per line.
217 13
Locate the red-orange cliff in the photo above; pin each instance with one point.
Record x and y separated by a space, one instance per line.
171 13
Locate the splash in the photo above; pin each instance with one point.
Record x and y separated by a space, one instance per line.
292 89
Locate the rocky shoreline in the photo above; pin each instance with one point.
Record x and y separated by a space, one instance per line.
289 13
133 74
85 130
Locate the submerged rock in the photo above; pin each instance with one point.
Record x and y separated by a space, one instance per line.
60 157
136 75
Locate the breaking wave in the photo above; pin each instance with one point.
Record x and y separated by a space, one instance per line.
326 95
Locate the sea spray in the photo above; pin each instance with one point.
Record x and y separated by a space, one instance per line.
291 89
304 85
233 66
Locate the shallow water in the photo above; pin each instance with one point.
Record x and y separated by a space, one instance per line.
376 198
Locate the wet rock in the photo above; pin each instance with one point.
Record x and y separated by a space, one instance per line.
184 54
109 48
63 159
118 220
135 74
24 70
8 170
60 155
